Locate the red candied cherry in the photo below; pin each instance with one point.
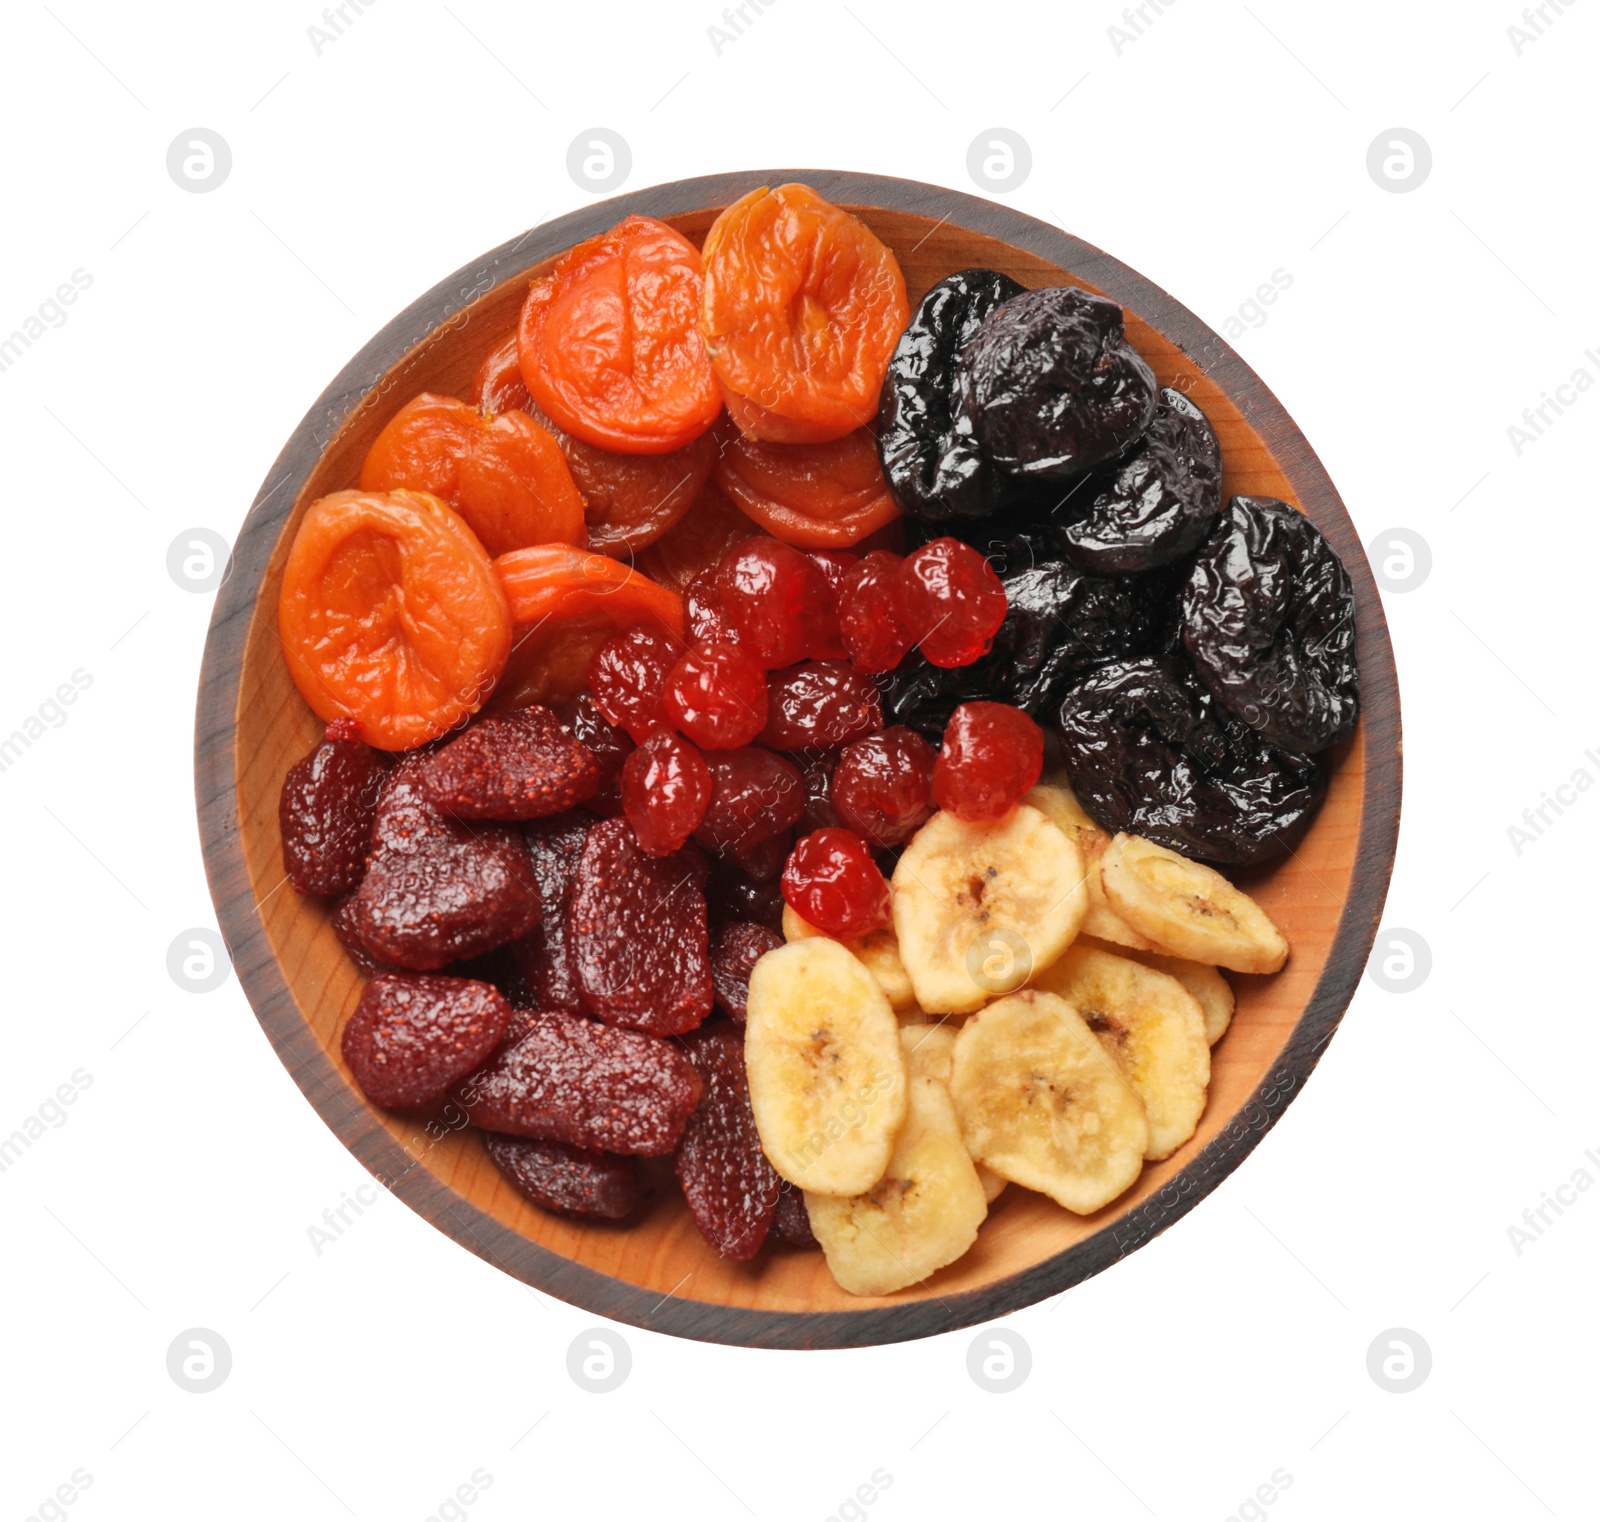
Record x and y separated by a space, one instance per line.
835 565
628 677
954 603
992 754
666 786
704 616
872 622
883 785
755 794
778 599
819 704
717 695
832 882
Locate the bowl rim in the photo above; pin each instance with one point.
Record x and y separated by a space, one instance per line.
348 1115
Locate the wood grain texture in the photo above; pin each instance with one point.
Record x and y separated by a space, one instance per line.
656 1272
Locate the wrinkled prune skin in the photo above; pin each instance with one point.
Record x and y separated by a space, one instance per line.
1161 497
569 1180
1061 620
1150 752
1269 620
930 457
1051 386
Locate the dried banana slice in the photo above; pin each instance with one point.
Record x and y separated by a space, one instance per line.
929 1051
1188 909
922 1214
879 951
1043 1105
1059 804
1152 1028
979 908
1211 990
827 1081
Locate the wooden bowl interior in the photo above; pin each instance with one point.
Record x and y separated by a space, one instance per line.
661 1251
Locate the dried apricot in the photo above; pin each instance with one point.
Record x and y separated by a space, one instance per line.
392 614
413 1037
564 1178
504 474
816 496
696 541
803 307
610 345
497 385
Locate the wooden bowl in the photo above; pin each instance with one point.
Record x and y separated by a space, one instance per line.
656 1272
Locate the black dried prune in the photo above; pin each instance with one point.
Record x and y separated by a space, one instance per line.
1051 386
930 456
1149 751
1161 497
1269 621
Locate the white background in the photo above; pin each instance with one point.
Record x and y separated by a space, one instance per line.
1224 143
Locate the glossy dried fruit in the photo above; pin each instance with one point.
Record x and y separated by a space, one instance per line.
952 602
992 754
608 743
717 695
665 789
610 345
520 765
816 496
755 794
762 860
819 705
801 311
412 1038
569 1079
628 679
732 894
872 618
730 1187
929 452
636 925
706 621
835 565
497 384
325 811
1269 620
1160 499
696 542
569 1180
883 786
391 614
1050 384
543 955
737 948
791 1226
832 882
1149 752
818 771
438 889
778 600
343 920
503 473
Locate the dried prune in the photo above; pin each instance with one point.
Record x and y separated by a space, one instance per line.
543 955
568 1079
730 1187
1050 384
1161 499
570 1180
438 889
325 811
1269 620
412 1038
819 704
930 454
1149 751
791 1226
736 950
637 930
520 765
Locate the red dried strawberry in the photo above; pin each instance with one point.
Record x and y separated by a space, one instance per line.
636 925
791 1226
567 1179
412 1038
738 948
325 811
569 1079
730 1186
519 765
543 955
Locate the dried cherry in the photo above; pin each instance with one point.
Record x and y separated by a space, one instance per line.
628 679
1269 621
520 765
952 601
778 600
818 769
819 704
325 811
665 789
732 894
790 1224
569 1180
412 1038
832 882
883 786
717 695
737 948
992 754
705 619
762 860
755 794
872 618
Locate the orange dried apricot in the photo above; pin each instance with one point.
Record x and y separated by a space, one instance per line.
803 306
497 385
504 474
610 344
391 614
815 496
565 603
695 541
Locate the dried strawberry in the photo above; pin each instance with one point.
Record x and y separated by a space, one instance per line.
791 1226
636 925
736 950
543 955
730 1186
560 1177
412 1038
344 927
569 1079
438 889
520 765
325 811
